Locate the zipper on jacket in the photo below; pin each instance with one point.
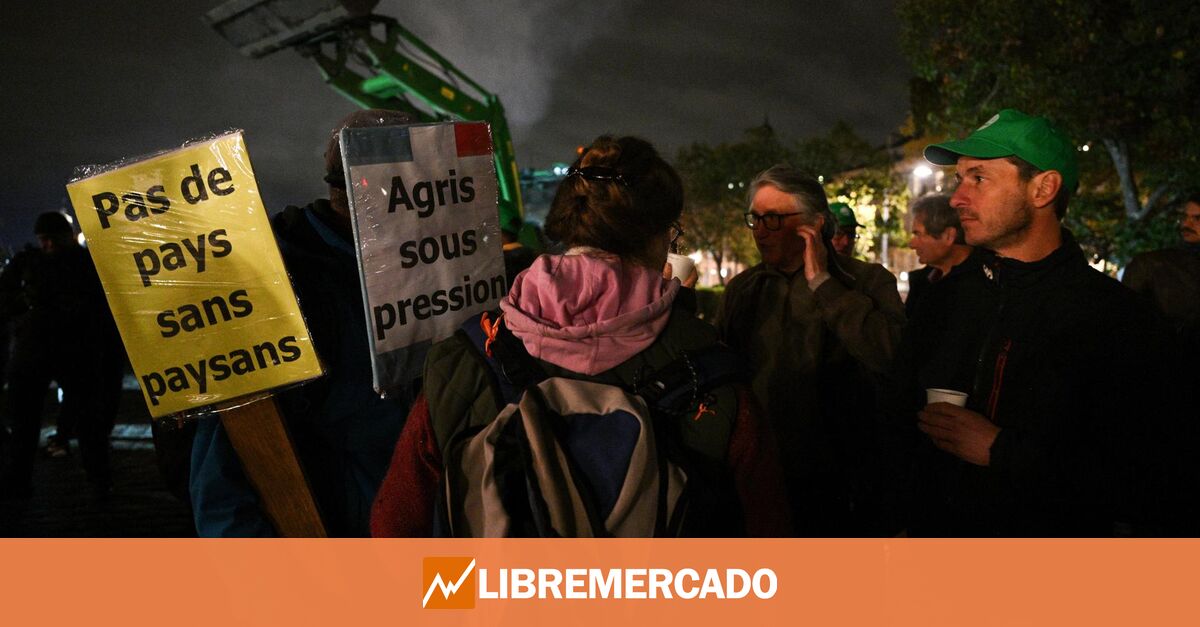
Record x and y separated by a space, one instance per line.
989 340
998 379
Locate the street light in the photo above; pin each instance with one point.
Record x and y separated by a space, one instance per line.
922 171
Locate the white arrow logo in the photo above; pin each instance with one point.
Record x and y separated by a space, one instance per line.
448 590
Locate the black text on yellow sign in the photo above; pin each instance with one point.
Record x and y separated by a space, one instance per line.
193 276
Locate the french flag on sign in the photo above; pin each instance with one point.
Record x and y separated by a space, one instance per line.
472 139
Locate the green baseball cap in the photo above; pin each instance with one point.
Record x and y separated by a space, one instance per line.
843 214
1012 133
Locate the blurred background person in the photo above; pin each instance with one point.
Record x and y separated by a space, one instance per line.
62 331
940 244
1170 278
846 233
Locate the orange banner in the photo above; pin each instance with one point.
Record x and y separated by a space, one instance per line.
600 582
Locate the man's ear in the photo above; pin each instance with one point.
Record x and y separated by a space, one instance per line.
1043 188
949 235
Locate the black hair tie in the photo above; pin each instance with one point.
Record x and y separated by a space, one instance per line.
599 173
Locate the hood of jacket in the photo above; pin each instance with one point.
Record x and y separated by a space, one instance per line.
588 311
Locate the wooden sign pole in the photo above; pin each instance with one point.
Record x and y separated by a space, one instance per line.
261 440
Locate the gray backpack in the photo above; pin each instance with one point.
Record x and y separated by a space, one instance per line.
573 458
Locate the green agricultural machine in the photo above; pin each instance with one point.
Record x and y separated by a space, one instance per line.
376 63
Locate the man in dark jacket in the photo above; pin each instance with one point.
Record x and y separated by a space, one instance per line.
818 330
1059 361
344 433
1170 278
940 244
63 332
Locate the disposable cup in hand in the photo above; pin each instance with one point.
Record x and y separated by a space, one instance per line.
681 266
938 395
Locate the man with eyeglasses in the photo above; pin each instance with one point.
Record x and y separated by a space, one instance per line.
1170 278
818 329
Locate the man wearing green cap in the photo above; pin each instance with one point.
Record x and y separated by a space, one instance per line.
847 228
1058 361
1014 164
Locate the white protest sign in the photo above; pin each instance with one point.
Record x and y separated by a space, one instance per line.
423 201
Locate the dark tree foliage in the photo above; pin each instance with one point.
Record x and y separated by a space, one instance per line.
1120 76
715 180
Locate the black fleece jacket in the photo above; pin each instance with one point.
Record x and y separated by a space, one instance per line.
1067 362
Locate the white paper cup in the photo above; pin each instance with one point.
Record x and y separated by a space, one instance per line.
938 395
682 266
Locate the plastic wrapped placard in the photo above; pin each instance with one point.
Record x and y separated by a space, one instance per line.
423 201
193 276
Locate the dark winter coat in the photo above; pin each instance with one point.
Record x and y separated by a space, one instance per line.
343 431
816 358
1065 360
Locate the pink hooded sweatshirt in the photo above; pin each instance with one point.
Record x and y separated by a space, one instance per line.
587 311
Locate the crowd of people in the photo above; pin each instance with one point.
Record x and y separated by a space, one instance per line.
1015 392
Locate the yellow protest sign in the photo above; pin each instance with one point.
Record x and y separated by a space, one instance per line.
194 278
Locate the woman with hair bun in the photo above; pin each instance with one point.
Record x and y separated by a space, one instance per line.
601 311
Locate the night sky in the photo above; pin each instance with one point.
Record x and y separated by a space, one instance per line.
92 82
